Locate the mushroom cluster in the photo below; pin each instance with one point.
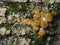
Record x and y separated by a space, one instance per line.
40 21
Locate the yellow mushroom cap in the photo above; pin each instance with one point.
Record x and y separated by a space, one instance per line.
36 10
41 32
43 13
44 24
35 28
36 16
49 17
35 23
27 21
44 19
